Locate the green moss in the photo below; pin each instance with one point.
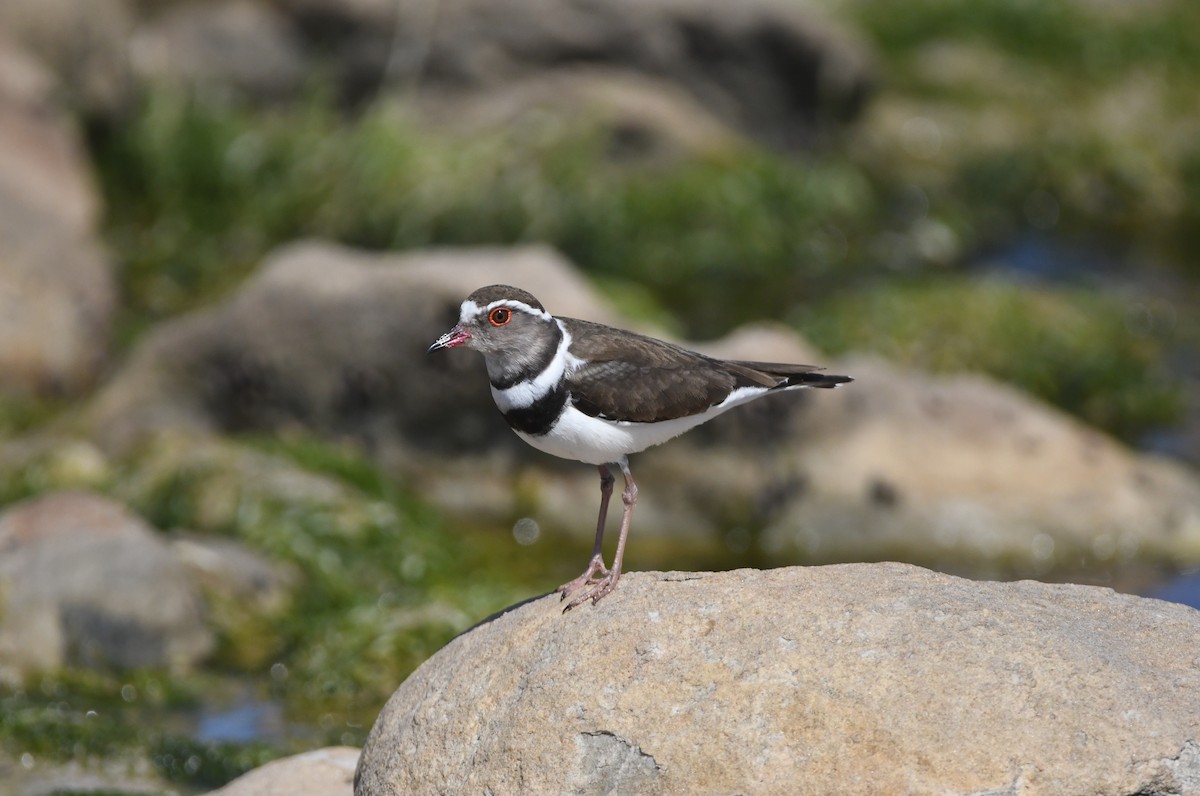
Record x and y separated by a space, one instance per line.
1076 349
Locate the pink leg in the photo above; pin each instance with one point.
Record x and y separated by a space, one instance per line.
605 585
596 565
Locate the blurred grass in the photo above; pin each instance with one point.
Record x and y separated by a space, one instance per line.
198 194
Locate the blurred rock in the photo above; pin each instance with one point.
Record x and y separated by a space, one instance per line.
333 340
775 70
239 47
246 594
57 301
851 679
974 470
83 44
86 583
321 772
232 571
944 471
57 296
646 119
42 161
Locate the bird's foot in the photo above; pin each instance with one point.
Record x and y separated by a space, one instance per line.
601 587
588 578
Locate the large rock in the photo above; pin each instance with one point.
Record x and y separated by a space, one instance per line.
86 583
950 471
845 679
57 294
322 772
774 69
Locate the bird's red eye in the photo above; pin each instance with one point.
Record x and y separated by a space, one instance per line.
500 316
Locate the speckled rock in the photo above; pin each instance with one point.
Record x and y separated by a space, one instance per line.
321 772
850 679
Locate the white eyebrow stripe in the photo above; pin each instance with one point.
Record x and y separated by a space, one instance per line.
472 310
526 393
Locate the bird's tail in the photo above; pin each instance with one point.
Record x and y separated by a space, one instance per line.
824 381
780 377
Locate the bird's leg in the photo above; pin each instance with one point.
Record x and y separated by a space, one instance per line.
596 565
605 585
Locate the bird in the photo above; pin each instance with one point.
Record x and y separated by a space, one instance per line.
597 394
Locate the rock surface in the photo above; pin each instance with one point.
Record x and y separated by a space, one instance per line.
844 679
322 772
83 581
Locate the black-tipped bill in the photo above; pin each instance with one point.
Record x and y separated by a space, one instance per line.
455 337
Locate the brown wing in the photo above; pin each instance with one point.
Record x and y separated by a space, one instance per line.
636 378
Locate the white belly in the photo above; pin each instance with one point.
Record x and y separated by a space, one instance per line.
595 441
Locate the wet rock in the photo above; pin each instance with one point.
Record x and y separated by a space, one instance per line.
773 69
321 772
86 583
57 294
845 679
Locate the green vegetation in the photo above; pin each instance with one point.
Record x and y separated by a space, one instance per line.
198 194
1079 39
